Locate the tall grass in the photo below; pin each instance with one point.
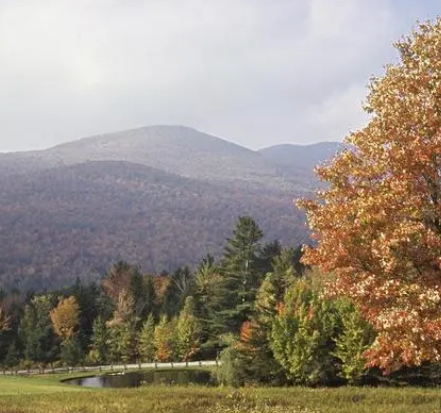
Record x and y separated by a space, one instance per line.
198 399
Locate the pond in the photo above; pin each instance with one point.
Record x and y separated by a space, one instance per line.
140 378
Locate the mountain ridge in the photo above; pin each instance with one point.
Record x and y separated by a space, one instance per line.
76 208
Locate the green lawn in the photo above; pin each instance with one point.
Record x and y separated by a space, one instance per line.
15 386
47 395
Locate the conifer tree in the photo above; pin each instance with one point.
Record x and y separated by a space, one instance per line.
99 348
36 330
240 270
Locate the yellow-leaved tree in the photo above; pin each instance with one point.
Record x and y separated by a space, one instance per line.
378 223
65 318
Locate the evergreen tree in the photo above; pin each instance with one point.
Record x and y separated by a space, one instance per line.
188 332
147 340
88 298
210 298
240 269
36 330
267 255
180 286
99 348
12 357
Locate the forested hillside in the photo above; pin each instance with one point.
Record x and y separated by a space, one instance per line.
158 197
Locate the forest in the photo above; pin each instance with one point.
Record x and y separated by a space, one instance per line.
257 309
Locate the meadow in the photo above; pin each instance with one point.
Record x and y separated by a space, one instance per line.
48 395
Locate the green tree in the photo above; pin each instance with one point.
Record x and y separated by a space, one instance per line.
210 298
99 347
36 331
147 340
88 298
12 357
302 334
352 343
122 330
240 269
188 332
180 286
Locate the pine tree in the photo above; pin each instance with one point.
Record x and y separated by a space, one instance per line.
12 357
210 293
99 348
180 286
36 330
240 270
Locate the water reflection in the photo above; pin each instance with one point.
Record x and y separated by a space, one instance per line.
136 379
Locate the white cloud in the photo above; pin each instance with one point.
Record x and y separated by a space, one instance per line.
254 71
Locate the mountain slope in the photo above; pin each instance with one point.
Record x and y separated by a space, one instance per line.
159 196
301 156
73 221
180 150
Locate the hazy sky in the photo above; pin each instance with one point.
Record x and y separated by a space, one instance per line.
256 72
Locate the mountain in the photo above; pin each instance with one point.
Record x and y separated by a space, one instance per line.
176 149
159 197
301 156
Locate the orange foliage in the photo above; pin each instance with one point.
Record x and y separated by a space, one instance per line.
378 224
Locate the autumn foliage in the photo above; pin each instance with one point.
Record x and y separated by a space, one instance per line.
378 223
65 317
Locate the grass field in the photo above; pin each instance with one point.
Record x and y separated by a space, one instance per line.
47 395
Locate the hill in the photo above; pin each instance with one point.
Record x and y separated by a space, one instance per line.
159 197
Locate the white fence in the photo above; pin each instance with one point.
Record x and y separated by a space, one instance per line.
114 367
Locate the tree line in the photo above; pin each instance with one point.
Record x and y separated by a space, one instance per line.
257 308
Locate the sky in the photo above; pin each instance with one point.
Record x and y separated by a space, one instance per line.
255 72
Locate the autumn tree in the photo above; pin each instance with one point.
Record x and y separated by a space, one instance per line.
123 335
188 332
65 319
164 339
378 223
